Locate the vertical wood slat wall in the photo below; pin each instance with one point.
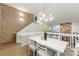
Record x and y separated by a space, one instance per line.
0 22
11 22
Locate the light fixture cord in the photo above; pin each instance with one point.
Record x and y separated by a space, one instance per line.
45 7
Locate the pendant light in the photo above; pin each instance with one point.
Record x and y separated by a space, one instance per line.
44 16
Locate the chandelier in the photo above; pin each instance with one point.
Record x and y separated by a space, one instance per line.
44 17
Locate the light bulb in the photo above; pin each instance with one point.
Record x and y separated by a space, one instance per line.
39 22
51 18
40 18
43 15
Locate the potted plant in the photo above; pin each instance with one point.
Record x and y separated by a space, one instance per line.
45 30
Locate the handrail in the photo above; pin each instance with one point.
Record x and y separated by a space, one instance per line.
72 39
63 34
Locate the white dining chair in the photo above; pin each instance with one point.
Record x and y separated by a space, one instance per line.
41 50
32 47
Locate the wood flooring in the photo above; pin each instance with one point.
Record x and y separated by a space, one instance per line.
13 49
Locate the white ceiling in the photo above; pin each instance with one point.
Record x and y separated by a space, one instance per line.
61 11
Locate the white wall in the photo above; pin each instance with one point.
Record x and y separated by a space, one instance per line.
56 28
33 27
75 27
28 31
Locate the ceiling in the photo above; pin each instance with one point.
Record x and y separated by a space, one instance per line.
61 11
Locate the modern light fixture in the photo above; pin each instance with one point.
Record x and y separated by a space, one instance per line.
51 18
39 22
43 16
21 14
21 19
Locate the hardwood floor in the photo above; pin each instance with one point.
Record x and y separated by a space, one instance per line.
13 49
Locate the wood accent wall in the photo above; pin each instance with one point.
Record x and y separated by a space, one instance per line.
13 22
0 22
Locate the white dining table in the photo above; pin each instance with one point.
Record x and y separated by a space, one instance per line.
54 44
